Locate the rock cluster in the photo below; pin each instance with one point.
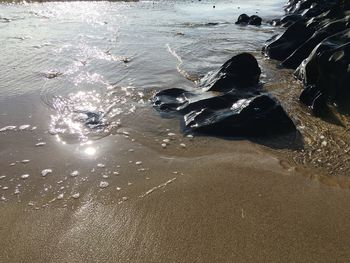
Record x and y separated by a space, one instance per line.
229 102
317 44
244 19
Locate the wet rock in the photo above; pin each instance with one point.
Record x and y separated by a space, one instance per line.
282 46
327 72
317 44
286 20
240 72
302 52
239 109
255 20
244 19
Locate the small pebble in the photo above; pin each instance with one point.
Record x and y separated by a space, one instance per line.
12 164
2 177
166 140
183 145
25 161
40 144
164 145
101 165
171 134
60 196
138 163
5 188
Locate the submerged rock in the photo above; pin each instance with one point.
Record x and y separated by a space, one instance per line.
240 109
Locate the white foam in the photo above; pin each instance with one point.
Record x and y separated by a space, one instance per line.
74 173
101 165
24 176
46 172
17 191
24 127
8 128
104 184
40 144
76 195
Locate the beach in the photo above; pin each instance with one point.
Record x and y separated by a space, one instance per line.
130 186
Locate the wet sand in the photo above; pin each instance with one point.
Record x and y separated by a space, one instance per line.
234 203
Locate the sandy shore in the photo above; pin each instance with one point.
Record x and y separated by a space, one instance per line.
240 204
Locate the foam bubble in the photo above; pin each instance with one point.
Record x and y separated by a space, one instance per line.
74 173
76 195
24 176
8 128
104 184
46 172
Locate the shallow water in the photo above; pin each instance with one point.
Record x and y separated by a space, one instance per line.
81 74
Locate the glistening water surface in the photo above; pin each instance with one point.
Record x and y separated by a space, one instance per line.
75 84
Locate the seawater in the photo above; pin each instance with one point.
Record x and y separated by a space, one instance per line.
98 63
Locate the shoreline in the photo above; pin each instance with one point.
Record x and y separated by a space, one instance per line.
214 200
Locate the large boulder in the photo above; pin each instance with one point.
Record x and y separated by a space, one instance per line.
239 72
236 108
303 51
327 71
317 44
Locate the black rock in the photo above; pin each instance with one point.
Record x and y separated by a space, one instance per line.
244 19
240 72
284 45
303 51
327 70
255 20
240 109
